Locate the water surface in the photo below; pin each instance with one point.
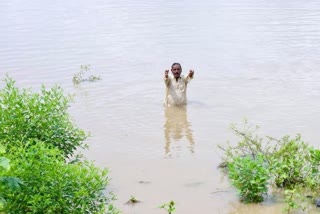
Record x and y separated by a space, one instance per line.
252 59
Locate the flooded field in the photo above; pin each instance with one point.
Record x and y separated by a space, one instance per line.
252 59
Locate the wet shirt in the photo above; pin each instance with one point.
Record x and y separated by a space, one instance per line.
176 91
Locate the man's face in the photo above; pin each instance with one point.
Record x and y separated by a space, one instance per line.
176 71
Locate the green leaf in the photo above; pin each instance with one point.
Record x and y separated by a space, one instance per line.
4 163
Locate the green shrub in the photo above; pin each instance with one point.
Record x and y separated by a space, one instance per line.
250 176
292 165
53 186
6 182
291 162
39 135
26 115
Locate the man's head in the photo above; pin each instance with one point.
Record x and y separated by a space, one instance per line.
176 69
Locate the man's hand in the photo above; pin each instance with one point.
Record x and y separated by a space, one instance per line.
191 72
166 72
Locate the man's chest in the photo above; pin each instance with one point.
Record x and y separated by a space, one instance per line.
178 85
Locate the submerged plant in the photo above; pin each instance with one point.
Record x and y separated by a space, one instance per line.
291 162
133 199
169 207
290 198
250 176
79 77
111 208
287 163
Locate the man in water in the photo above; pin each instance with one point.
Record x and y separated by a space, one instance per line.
176 86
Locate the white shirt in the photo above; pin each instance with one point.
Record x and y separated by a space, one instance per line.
176 91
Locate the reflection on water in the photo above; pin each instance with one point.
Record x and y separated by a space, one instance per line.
177 127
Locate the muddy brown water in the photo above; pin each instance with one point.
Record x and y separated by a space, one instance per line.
252 59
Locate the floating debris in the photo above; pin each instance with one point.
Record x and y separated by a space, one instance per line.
132 201
79 77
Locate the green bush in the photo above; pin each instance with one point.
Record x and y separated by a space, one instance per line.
292 164
51 185
6 182
250 176
26 115
40 137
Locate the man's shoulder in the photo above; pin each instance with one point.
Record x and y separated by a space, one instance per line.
184 77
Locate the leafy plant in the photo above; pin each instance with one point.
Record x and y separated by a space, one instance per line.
250 144
53 186
133 200
250 176
111 208
6 182
79 77
290 199
40 136
290 164
26 115
169 207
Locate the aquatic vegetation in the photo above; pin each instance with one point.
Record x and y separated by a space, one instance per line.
51 185
112 209
133 200
43 115
45 175
287 163
291 196
79 77
6 182
250 177
169 207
